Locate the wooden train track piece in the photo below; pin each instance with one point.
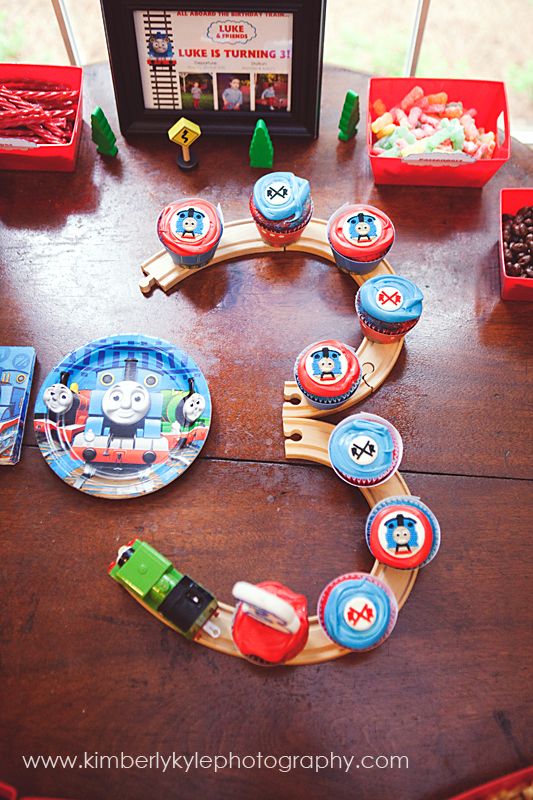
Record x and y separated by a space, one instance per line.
377 360
306 438
313 446
240 240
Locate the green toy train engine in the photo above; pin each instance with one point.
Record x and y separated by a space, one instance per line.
150 577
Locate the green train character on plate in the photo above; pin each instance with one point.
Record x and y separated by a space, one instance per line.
152 579
182 416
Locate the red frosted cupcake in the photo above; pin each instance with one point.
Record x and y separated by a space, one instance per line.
328 373
190 231
360 236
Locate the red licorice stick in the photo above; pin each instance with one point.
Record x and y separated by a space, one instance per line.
57 98
43 113
47 136
18 134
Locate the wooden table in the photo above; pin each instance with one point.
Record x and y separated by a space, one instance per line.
83 668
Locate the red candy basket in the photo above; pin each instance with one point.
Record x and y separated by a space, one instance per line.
54 157
508 782
490 100
511 201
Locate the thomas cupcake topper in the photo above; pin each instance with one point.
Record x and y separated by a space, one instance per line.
328 373
403 532
190 230
362 228
360 237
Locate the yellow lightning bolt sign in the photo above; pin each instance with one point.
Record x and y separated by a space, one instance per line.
184 132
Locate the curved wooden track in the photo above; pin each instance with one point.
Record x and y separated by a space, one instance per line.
305 438
313 446
241 239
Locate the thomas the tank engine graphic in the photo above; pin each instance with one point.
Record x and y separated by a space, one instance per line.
123 426
326 364
401 534
128 422
362 227
160 50
190 223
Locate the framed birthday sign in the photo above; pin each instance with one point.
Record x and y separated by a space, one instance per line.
223 69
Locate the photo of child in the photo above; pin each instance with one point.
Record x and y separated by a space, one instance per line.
271 92
233 91
196 91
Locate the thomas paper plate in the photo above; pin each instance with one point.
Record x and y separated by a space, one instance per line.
123 416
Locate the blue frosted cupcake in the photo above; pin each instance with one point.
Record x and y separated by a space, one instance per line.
357 611
281 207
388 306
402 532
365 450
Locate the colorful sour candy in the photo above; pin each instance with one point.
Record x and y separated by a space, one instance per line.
416 93
429 123
381 122
379 108
441 98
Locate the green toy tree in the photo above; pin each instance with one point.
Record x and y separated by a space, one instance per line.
261 147
349 116
102 135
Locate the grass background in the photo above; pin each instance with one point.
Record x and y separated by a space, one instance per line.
206 101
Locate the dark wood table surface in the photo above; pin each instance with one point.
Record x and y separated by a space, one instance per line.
84 669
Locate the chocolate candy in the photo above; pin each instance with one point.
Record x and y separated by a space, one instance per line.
518 243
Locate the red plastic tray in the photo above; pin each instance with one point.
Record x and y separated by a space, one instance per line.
7 792
487 96
510 781
10 793
511 200
53 157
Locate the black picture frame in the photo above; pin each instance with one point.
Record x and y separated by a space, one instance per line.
307 52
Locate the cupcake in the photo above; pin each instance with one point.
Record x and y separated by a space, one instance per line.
190 230
365 450
281 207
402 532
270 625
359 236
388 306
328 373
357 611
